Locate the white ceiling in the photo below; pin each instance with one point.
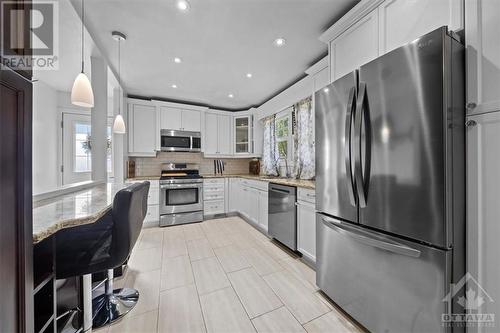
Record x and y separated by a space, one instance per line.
219 41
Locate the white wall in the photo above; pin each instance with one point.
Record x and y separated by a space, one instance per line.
46 132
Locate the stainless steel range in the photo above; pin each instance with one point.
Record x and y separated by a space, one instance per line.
181 194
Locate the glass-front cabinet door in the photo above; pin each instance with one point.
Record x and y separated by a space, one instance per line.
242 137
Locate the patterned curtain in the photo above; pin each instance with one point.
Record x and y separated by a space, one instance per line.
270 156
304 150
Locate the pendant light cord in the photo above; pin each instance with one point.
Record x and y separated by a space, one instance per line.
83 42
119 77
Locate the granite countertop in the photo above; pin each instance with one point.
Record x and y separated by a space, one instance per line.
309 184
72 209
144 178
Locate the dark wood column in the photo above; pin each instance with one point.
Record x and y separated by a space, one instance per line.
16 237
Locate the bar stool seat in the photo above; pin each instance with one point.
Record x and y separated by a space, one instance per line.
103 246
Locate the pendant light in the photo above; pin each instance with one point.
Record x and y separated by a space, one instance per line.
82 94
119 124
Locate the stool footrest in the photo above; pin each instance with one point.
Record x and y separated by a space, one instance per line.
109 308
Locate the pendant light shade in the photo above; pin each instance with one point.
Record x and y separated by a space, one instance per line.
82 94
119 125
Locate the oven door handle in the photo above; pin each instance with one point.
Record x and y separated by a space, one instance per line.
176 186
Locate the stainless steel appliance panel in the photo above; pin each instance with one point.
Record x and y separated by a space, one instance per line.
334 106
282 221
400 156
181 218
386 283
181 197
180 141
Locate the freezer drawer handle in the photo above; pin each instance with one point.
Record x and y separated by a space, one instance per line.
342 229
351 107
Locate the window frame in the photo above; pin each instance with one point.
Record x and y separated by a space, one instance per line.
286 114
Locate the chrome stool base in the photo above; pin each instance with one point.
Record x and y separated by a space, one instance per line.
108 308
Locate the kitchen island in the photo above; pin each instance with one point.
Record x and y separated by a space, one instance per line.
84 206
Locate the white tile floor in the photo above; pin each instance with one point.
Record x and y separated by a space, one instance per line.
222 276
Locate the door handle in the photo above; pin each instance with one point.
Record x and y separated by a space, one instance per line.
347 144
362 178
370 240
279 190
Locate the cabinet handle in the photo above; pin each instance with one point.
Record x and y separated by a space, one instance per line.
471 105
470 123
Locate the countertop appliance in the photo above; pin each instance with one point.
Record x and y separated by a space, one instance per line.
282 221
254 167
390 186
181 194
182 141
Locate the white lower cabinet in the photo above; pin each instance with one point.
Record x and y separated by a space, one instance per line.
483 210
153 214
306 224
214 195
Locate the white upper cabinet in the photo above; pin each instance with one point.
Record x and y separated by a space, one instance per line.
170 118
355 47
402 21
242 134
224 134
211 137
375 27
191 120
217 134
482 31
173 118
142 131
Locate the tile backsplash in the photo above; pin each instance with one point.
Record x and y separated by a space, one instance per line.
151 166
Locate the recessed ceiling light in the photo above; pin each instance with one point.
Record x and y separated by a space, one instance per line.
177 60
326 90
279 42
174 86
249 75
230 95
183 5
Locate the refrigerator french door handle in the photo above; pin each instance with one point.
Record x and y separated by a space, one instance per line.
373 241
347 143
362 177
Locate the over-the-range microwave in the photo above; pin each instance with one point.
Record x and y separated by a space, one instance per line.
184 141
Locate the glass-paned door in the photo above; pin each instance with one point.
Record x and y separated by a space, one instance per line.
242 135
77 148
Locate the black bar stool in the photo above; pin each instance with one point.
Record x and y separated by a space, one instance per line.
103 246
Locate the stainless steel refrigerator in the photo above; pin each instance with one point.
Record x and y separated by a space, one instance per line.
390 186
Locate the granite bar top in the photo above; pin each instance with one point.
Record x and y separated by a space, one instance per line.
309 184
72 209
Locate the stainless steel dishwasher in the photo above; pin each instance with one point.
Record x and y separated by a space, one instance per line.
283 214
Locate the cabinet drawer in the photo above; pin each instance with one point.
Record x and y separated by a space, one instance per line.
214 207
213 188
306 195
212 181
152 214
213 196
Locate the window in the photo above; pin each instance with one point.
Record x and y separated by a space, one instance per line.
284 136
83 147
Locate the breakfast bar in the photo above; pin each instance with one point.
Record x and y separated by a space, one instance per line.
85 206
